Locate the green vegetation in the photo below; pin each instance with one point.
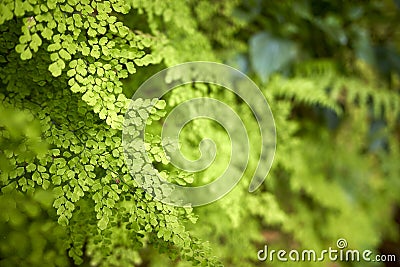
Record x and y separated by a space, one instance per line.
329 69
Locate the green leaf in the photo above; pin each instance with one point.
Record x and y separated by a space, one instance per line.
85 51
177 240
41 169
20 48
47 33
45 184
58 202
269 54
36 176
56 179
95 53
27 54
89 168
76 88
102 224
130 67
92 32
62 220
36 42
54 47
31 167
64 54
55 69
25 38
160 104
71 73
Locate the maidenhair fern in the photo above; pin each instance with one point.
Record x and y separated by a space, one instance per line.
63 63
68 69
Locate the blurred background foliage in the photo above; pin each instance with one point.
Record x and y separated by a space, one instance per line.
330 70
331 73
